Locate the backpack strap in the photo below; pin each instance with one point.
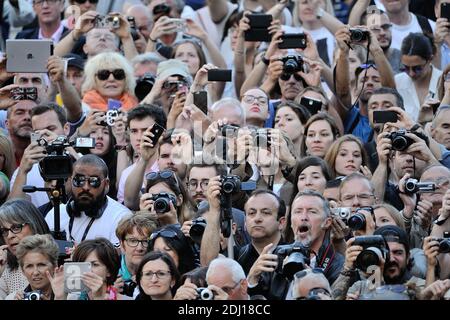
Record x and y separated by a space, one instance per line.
424 24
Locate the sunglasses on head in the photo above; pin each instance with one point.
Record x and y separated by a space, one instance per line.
79 181
165 233
305 272
118 74
287 76
165 174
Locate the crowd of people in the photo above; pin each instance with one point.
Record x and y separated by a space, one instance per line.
318 171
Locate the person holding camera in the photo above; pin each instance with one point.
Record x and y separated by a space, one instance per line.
134 233
89 212
38 257
18 219
439 228
272 273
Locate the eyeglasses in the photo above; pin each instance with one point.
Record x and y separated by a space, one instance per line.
360 196
165 174
385 27
228 290
134 242
165 233
415 69
160 274
287 76
313 294
250 99
193 184
79 181
118 74
40 2
15 228
84 1
174 85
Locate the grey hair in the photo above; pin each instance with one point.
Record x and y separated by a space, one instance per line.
179 4
147 58
234 103
317 277
296 18
21 211
313 193
41 243
221 264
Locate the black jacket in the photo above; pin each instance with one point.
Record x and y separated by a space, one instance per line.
275 286
248 255
34 33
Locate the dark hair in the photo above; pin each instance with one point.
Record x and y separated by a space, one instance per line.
93 160
281 205
43 108
180 244
201 162
302 113
198 49
21 211
197 277
394 92
106 253
317 117
361 68
144 110
152 256
335 183
418 44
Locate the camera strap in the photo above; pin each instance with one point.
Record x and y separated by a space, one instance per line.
270 182
85 231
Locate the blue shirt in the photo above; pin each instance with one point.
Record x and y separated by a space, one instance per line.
445 55
358 125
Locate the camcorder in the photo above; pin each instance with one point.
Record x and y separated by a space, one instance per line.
359 35
297 259
375 249
32 295
204 294
342 213
58 163
414 186
128 287
161 202
24 93
197 229
107 22
358 221
399 140
444 243
144 85
292 64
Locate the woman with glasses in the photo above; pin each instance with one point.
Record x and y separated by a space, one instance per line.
347 155
105 264
171 240
134 232
157 277
320 132
418 82
108 76
256 106
38 258
18 219
166 198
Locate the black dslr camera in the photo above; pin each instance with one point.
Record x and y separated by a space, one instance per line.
358 220
292 64
128 287
400 141
359 35
414 186
444 243
375 249
232 184
298 259
144 85
58 163
161 202
32 295
204 294
197 229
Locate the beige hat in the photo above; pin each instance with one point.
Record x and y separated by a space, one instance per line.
173 67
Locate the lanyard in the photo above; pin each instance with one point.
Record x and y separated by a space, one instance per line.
85 231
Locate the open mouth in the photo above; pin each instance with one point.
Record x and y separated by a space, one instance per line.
303 229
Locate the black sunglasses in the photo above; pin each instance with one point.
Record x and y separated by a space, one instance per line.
165 174
287 76
118 74
79 181
83 1
165 233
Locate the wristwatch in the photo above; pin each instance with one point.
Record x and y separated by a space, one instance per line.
265 60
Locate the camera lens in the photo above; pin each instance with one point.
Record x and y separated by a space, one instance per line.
228 186
197 230
410 185
399 143
369 257
294 263
357 222
357 35
290 66
444 246
161 205
206 294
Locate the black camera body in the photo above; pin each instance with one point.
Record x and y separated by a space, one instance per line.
144 85
414 186
128 287
197 229
444 243
374 250
32 295
292 64
359 35
229 130
133 29
161 202
232 184
298 258
358 221
400 141
204 294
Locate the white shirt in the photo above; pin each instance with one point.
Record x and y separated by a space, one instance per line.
34 178
105 226
400 32
55 36
407 90
123 180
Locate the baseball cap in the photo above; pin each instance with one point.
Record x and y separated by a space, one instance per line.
173 67
394 234
74 60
